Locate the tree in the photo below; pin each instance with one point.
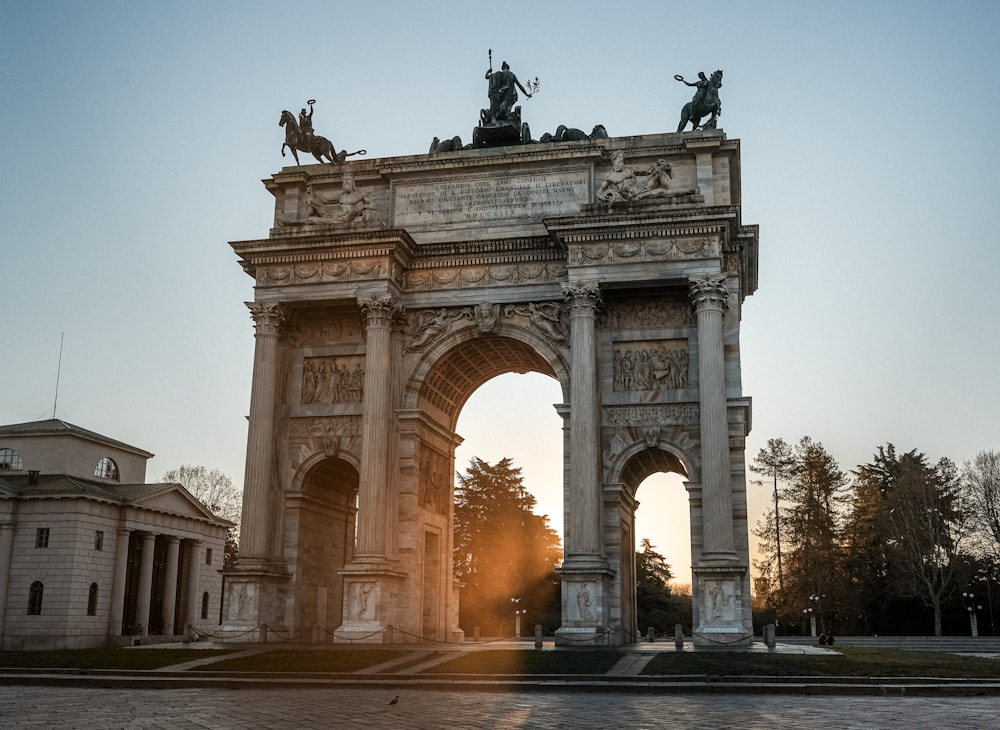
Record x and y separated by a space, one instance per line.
215 490
814 495
911 520
656 604
503 550
981 481
775 461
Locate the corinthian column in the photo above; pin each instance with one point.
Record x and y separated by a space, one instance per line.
710 297
583 537
255 530
374 494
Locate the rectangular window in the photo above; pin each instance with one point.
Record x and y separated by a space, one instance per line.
208 556
99 540
42 537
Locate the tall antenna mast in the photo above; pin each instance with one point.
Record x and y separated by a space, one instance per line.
58 373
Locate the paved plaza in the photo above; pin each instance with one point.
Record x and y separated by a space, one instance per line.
214 709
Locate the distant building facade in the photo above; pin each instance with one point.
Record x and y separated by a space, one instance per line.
91 555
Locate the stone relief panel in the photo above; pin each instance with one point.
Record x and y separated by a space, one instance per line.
650 365
242 601
548 319
343 426
584 603
666 311
658 414
324 330
333 379
362 604
351 208
435 492
719 604
463 277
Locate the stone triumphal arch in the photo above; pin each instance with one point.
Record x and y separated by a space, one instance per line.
388 290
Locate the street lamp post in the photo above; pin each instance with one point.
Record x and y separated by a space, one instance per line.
811 613
969 602
518 612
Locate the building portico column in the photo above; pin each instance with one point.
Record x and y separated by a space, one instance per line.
118 583
710 297
170 584
6 553
255 532
374 493
145 589
193 581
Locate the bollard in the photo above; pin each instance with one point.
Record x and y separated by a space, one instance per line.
387 635
538 636
650 634
187 633
678 636
769 639
263 634
475 634
315 632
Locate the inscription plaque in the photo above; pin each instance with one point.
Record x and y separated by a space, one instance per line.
472 199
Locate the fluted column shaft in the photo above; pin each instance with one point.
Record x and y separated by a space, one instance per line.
710 297
145 590
255 528
374 496
584 534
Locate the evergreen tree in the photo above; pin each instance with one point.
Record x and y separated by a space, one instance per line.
656 605
503 550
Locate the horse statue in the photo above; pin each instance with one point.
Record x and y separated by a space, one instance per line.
706 101
320 147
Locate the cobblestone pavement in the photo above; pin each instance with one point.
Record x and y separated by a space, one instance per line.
214 709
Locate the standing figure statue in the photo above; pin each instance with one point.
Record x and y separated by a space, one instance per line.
706 101
503 93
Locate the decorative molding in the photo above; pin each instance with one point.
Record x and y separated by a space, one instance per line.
349 426
665 311
464 277
654 414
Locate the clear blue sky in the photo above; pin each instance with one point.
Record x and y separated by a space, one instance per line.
135 135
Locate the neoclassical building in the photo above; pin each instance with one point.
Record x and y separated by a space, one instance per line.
388 290
91 555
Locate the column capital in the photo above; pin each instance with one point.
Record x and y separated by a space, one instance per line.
709 291
584 298
267 316
379 310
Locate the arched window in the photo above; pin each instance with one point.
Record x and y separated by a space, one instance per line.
10 460
107 469
204 604
35 599
92 600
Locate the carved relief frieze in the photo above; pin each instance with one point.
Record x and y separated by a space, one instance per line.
333 379
346 426
622 253
461 277
653 414
665 311
649 365
325 330
323 271
435 489
351 209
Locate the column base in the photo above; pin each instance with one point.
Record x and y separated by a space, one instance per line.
254 598
718 608
372 592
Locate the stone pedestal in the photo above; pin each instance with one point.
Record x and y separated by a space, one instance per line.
718 607
254 598
371 598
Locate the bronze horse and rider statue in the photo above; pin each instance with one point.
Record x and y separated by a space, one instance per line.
705 102
299 137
